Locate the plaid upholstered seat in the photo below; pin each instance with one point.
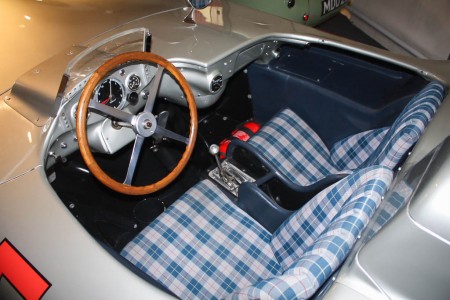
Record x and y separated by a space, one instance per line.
205 247
290 146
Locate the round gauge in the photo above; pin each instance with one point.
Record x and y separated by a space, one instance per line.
134 82
110 92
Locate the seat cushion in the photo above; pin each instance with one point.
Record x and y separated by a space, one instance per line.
293 148
204 246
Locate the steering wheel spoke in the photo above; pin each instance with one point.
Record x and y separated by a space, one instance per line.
154 87
138 142
112 112
171 135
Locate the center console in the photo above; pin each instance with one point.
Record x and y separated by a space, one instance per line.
230 177
259 189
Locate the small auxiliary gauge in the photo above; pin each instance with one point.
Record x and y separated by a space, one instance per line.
134 82
216 83
110 92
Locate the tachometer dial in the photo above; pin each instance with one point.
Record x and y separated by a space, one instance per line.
110 92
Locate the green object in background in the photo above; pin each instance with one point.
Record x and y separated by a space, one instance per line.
309 12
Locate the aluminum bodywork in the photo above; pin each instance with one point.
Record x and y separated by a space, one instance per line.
33 31
406 254
33 218
418 28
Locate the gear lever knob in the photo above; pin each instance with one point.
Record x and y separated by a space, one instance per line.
214 149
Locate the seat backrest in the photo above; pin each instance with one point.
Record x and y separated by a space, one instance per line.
355 197
316 239
388 146
289 144
351 152
408 127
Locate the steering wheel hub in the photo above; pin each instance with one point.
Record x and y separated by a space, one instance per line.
145 124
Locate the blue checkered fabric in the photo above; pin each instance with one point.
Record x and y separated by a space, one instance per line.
353 151
408 127
288 143
314 241
204 246
391 205
297 152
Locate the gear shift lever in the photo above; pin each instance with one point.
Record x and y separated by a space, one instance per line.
214 151
227 175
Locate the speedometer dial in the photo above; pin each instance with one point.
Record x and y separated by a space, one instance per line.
110 92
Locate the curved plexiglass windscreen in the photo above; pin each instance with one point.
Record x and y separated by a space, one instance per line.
88 60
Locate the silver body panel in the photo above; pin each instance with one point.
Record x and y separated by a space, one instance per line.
419 28
409 257
34 31
77 266
53 241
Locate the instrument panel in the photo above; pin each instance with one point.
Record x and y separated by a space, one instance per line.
128 89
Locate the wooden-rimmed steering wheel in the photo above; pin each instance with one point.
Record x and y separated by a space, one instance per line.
144 123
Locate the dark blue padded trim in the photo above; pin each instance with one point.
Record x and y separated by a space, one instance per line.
260 207
318 84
